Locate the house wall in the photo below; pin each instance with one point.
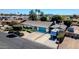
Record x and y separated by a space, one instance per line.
38 28
42 29
47 30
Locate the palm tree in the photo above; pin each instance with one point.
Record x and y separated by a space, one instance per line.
41 14
38 12
32 15
1 14
35 14
18 13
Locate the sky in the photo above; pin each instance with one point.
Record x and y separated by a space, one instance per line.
46 11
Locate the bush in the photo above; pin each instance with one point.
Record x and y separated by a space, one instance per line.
43 18
21 34
7 29
18 33
17 28
24 29
78 22
60 37
68 23
29 30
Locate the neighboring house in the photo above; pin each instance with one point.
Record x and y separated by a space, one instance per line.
73 31
14 17
75 22
59 26
5 22
40 26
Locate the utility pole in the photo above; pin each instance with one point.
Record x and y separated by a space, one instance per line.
58 46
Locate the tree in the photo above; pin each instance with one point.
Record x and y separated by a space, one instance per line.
38 13
75 16
57 18
60 37
15 29
32 15
41 14
67 23
1 14
20 15
43 18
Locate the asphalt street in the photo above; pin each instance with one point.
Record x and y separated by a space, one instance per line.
19 43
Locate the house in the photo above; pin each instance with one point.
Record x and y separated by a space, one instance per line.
5 22
75 22
73 31
40 26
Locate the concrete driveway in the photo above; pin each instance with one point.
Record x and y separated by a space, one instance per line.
33 35
41 38
45 40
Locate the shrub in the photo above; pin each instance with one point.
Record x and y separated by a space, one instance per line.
78 22
8 29
68 23
60 37
43 18
29 30
18 33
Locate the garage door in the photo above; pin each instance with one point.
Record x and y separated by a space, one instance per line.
42 29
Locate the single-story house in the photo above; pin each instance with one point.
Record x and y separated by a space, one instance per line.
41 26
75 22
73 31
5 22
